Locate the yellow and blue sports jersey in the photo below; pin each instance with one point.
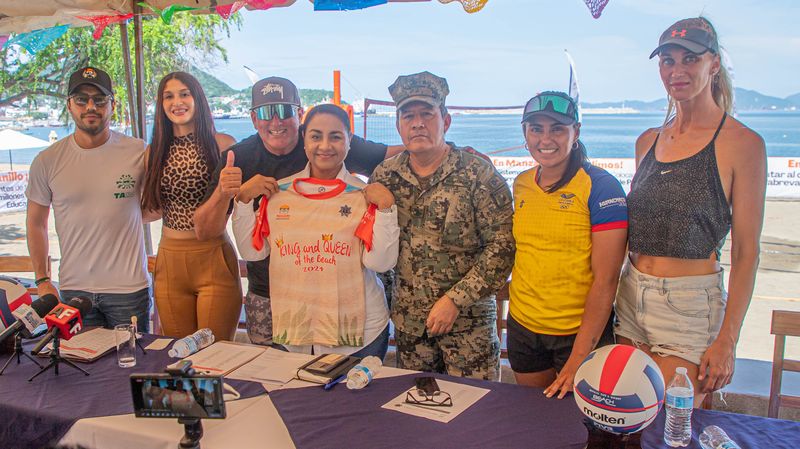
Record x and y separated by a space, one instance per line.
553 231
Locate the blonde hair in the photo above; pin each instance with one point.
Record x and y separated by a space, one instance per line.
721 83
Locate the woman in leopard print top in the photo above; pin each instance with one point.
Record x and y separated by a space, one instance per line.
196 283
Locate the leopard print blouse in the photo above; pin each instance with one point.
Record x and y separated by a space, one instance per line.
183 183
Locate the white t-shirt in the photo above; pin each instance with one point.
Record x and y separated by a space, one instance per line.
95 195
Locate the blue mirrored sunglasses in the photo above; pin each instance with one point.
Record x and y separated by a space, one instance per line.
283 111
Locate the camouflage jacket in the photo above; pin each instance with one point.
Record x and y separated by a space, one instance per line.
455 239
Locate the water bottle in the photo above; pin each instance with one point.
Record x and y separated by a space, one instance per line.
191 344
679 404
359 376
715 438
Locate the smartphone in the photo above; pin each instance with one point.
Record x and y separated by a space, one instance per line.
427 385
167 396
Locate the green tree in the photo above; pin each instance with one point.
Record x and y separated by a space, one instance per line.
188 40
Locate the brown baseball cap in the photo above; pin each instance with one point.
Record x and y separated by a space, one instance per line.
274 90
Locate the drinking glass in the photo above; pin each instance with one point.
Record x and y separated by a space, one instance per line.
125 335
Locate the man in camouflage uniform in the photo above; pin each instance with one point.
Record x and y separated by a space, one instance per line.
456 247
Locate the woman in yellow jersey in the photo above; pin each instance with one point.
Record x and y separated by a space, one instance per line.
570 226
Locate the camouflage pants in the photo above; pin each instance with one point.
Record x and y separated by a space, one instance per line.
258 319
471 353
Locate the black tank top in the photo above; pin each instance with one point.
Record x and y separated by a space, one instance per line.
678 209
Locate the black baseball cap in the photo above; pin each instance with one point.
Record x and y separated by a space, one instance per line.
92 76
695 35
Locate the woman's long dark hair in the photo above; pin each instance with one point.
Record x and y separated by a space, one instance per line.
577 157
163 136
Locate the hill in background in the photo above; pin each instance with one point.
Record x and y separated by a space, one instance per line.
746 100
214 87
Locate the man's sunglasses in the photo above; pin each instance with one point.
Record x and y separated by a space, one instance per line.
98 100
555 102
283 111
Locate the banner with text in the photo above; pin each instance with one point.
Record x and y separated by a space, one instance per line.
12 191
783 173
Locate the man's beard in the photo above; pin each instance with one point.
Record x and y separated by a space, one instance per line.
92 130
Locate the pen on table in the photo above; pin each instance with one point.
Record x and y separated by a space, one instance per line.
333 383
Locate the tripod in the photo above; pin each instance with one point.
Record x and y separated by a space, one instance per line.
193 431
18 352
55 359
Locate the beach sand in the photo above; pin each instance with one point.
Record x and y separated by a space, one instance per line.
777 284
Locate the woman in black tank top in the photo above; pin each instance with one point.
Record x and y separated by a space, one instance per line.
699 176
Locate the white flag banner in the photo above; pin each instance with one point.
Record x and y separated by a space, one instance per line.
574 91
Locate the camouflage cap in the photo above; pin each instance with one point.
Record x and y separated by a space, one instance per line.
274 90
424 86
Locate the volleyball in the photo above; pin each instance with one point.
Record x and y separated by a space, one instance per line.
619 388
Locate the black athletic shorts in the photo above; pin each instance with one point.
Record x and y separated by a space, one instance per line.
531 352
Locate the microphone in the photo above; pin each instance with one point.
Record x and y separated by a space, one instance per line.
29 317
64 321
12 295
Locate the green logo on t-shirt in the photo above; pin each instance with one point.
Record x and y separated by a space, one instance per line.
125 182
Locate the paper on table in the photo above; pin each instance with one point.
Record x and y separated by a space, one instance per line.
463 398
159 344
273 367
86 346
223 357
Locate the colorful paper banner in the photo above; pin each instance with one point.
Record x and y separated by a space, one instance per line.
38 39
596 7
469 6
345 5
167 13
226 11
101 22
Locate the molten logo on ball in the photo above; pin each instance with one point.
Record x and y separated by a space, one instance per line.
620 388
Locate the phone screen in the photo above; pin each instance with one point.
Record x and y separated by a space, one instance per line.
165 396
427 385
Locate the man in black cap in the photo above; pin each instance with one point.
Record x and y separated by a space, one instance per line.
92 179
251 168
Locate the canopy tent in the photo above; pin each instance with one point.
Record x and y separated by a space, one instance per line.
22 16
26 16
15 140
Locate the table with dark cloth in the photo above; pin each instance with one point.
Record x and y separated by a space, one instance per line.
749 432
34 414
509 416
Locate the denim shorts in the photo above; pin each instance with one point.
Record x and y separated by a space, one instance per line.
678 316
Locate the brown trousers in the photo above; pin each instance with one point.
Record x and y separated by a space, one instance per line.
197 285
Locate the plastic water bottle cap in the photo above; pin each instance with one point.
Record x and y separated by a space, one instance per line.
680 370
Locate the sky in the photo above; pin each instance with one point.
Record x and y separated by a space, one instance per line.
505 53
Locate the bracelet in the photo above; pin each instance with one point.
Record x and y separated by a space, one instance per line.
42 280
